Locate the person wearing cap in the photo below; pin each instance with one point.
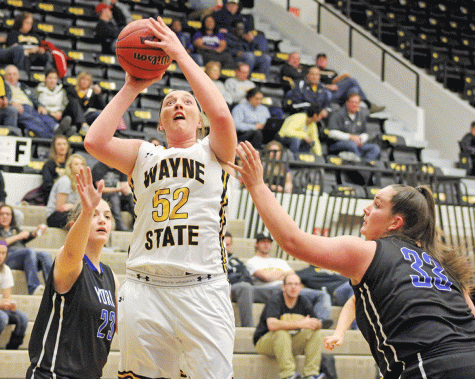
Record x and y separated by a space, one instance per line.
106 30
269 272
299 132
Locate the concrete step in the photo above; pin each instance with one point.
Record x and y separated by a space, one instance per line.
246 366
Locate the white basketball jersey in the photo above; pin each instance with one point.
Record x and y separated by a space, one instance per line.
180 200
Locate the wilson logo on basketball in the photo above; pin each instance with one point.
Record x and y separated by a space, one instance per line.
150 38
153 59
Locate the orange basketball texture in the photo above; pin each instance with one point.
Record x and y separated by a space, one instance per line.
137 58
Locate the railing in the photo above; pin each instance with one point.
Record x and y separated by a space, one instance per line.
334 210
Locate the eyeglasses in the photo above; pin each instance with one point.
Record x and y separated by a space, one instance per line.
5 214
293 284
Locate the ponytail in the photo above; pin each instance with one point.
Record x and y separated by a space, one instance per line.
417 208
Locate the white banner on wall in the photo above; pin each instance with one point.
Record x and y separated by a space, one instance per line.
15 151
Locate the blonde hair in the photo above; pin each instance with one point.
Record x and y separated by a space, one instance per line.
67 169
81 75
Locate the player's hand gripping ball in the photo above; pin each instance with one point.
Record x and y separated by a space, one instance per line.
135 56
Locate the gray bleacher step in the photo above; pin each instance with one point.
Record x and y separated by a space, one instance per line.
354 343
428 154
453 171
246 366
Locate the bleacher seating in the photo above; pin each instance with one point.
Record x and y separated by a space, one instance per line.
438 36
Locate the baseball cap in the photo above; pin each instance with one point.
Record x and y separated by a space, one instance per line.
233 1
101 6
263 236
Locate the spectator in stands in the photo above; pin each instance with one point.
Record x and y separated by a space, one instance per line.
292 71
229 14
212 45
64 194
120 13
467 146
9 313
287 326
106 31
116 192
299 132
213 70
14 55
31 115
238 85
347 131
203 8
242 290
309 92
53 100
335 284
20 34
342 85
269 272
276 172
19 256
54 167
243 50
85 101
250 118
8 113
185 40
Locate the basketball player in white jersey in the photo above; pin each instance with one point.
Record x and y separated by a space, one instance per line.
176 298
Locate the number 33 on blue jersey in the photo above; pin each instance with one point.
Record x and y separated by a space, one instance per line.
423 279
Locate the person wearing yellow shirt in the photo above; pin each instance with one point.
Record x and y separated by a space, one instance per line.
299 132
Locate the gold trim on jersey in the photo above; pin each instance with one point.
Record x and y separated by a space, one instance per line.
222 214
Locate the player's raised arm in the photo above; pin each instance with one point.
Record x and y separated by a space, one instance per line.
68 263
222 135
349 256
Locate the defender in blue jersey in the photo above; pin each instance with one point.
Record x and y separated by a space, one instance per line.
412 291
77 318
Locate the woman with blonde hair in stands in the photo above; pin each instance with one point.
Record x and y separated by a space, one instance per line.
85 101
412 291
64 193
21 257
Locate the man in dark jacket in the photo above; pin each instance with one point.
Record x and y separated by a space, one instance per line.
107 30
243 50
309 92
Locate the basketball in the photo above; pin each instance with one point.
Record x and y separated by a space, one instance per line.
135 56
